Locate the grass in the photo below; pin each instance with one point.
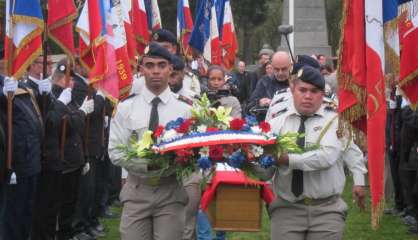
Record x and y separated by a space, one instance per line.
357 227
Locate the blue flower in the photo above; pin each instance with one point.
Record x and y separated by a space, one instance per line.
174 124
236 159
204 163
251 120
266 161
246 128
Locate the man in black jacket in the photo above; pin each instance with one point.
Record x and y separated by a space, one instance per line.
267 86
63 160
18 191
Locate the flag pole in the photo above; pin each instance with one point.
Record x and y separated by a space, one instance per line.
64 119
10 95
45 40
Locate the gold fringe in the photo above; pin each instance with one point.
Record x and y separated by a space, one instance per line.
377 213
63 21
62 46
28 20
409 79
22 70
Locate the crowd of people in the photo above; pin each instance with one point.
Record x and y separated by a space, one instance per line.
67 168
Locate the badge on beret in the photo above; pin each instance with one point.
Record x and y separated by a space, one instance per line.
300 73
62 68
156 36
146 50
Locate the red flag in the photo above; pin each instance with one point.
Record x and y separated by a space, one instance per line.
126 6
408 38
139 19
362 84
61 15
229 38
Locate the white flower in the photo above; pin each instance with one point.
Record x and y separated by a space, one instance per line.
204 152
256 129
202 128
170 135
257 150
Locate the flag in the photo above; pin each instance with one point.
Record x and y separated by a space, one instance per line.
390 24
227 34
126 7
361 80
153 15
23 38
61 15
184 26
205 34
84 47
139 18
102 33
408 39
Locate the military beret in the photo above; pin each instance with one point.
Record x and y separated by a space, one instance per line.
312 76
302 60
156 51
163 35
178 63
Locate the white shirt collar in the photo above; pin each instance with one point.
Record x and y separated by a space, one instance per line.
34 79
164 96
293 111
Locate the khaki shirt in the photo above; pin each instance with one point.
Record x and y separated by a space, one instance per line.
132 117
322 168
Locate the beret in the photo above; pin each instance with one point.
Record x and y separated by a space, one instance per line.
312 76
302 60
178 63
163 35
156 51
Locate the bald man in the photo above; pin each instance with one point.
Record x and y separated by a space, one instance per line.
267 86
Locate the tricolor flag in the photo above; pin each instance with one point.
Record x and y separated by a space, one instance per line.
361 83
205 34
23 42
61 15
126 6
390 23
153 14
408 38
139 19
227 34
106 47
184 26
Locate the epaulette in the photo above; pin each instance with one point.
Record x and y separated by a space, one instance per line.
278 113
280 91
130 96
282 99
184 99
329 104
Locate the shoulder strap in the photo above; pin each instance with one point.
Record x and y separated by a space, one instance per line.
325 129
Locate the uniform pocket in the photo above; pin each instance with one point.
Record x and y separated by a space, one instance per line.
180 195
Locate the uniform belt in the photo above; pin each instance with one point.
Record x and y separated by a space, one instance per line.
316 201
152 181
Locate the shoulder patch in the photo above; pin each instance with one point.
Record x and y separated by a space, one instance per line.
184 99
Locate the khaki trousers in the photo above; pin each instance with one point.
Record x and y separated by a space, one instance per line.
192 187
297 221
152 212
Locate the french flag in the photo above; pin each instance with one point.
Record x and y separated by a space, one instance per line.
229 41
140 21
126 6
23 40
153 14
184 26
205 34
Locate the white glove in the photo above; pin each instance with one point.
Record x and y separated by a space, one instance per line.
101 94
86 169
10 85
106 121
44 86
87 106
65 96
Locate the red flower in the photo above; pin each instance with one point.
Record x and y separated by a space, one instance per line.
216 153
158 131
183 155
265 126
212 129
184 127
236 123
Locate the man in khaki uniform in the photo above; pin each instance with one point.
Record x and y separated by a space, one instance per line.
308 186
151 209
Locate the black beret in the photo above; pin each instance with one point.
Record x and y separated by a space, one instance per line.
163 35
178 63
156 51
312 76
302 60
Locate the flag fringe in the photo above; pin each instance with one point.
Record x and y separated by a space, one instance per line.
62 21
377 213
408 80
66 50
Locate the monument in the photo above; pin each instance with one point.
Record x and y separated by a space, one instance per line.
310 27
